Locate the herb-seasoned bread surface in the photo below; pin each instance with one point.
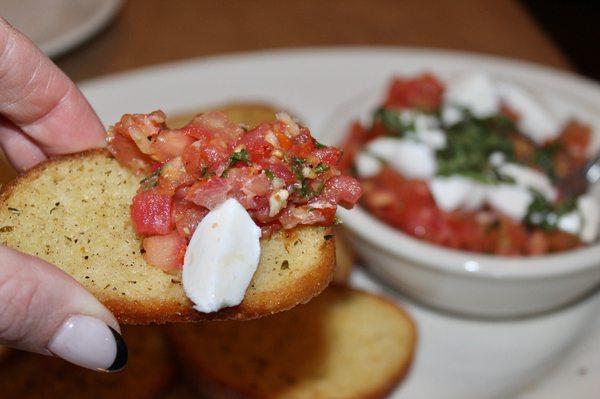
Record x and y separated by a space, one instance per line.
73 211
148 373
343 344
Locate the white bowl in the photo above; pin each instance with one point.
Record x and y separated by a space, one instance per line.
466 282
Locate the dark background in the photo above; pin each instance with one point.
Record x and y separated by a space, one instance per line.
575 26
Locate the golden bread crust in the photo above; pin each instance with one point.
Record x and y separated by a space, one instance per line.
73 211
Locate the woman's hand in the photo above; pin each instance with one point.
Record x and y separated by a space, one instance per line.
42 309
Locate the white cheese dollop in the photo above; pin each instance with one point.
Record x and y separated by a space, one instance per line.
367 165
451 115
411 159
590 211
475 92
221 258
457 192
535 120
509 199
530 178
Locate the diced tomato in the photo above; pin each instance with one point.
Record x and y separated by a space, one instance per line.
575 138
172 176
208 193
246 184
293 216
279 169
343 190
205 157
213 124
351 146
186 216
170 144
329 156
302 144
129 155
151 213
165 251
255 143
424 92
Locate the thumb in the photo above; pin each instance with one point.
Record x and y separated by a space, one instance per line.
44 310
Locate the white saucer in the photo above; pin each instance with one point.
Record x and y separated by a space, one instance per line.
58 25
556 355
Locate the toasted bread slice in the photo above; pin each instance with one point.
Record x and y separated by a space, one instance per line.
343 344
73 211
246 113
148 373
344 256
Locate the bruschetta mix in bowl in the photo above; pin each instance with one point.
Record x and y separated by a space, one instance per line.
460 204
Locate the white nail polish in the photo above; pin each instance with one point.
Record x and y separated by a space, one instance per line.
89 342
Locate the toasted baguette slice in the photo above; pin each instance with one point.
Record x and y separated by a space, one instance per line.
343 344
148 373
249 114
73 212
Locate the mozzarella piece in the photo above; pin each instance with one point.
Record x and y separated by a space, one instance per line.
590 212
278 201
451 115
571 223
509 199
457 192
414 160
475 92
383 147
221 258
535 121
411 159
530 178
434 138
367 165
497 158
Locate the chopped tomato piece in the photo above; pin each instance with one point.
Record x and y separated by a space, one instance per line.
165 251
343 190
151 213
424 92
208 193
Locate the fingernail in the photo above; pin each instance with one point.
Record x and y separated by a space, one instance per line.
89 342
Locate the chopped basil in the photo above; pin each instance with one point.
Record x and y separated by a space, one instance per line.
151 181
240 156
392 121
319 145
544 158
546 215
469 145
320 168
270 175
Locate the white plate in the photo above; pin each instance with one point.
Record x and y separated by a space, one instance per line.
58 25
552 356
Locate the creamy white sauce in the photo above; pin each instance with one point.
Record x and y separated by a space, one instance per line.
509 199
457 192
590 212
451 115
535 121
475 92
529 178
367 165
221 258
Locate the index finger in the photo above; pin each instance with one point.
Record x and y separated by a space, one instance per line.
37 97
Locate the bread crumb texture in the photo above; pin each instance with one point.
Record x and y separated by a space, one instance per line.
73 212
